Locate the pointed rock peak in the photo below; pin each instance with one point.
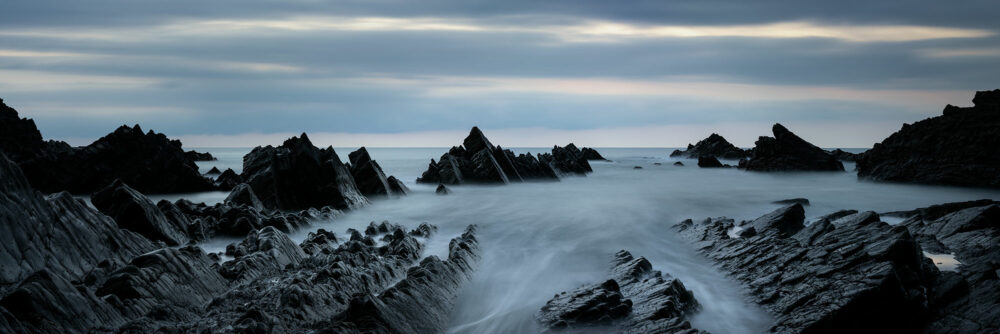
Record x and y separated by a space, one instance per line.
301 140
359 157
476 141
137 128
571 146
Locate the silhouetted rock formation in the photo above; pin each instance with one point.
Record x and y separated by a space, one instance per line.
591 154
298 175
370 178
709 161
713 146
636 299
442 190
214 171
969 299
149 162
787 152
479 161
844 155
228 180
847 272
960 147
198 156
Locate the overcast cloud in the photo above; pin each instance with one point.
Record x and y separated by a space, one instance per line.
403 73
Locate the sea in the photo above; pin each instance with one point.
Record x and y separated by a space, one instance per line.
542 238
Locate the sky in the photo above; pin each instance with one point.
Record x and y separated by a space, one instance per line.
530 73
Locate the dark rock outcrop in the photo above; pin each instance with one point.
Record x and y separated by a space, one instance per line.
591 154
228 180
636 299
298 175
134 212
678 163
799 200
396 186
850 274
242 194
442 190
961 147
198 156
214 171
369 177
787 152
479 161
845 156
713 146
709 162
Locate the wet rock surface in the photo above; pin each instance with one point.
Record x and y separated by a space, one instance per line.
960 147
635 299
479 161
844 272
714 146
787 152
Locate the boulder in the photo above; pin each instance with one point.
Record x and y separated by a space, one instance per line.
442 190
133 211
298 175
787 152
709 162
961 147
713 146
635 299
855 274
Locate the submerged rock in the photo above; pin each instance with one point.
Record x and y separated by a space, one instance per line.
852 274
787 152
479 161
960 147
714 146
636 299
298 175
442 190
678 163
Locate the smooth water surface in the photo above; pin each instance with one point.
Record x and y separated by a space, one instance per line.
542 238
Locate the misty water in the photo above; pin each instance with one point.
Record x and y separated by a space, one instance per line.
542 238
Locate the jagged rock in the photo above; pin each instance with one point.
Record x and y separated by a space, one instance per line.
321 241
239 217
57 233
45 302
844 155
803 201
442 190
228 179
214 171
787 152
243 195
368 175
568 159
133 211
149 162
853 275
298 175
709 162
960 147
714 146
396 186
198 156
262 252
591 154
967 301
636 299
678 163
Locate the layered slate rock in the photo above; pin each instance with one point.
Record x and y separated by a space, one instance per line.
636 299
851 274
369 177
57 233
133 211
298 175
960 147
713 146
787 152
479 161
968 299
149 162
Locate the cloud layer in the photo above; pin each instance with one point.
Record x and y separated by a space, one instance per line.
392 74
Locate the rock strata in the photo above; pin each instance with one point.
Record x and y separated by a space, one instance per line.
714 146
787 152
479 161
961 147
635 299
842 273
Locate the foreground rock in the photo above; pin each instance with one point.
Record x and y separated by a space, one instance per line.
479 161
960 147
787 152
851 274
969 297
298 175
636 299
714 146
